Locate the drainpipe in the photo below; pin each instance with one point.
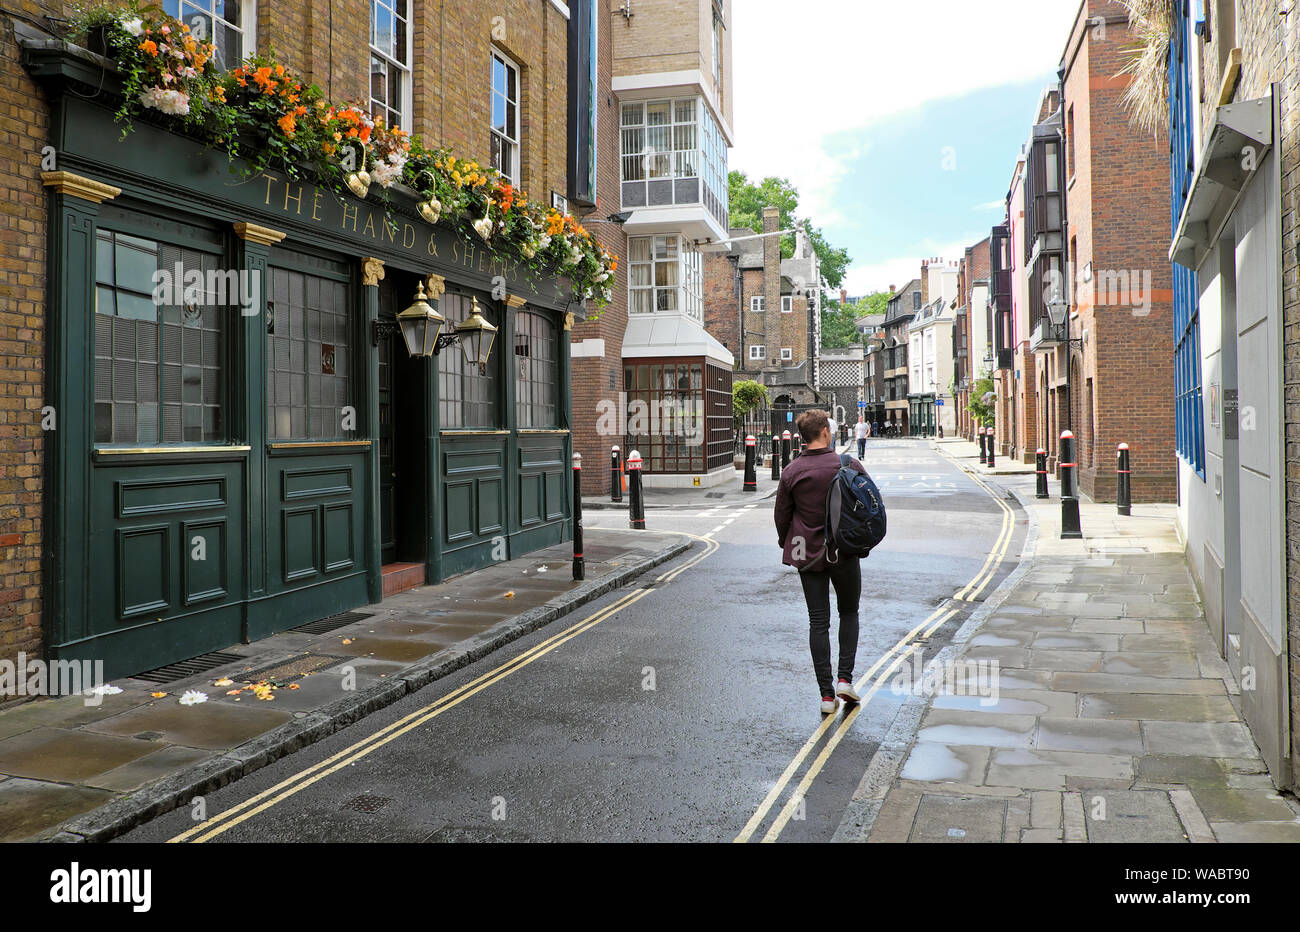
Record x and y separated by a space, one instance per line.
1065 245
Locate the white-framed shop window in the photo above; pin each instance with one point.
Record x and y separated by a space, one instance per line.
228 24
758 352
390 62
505 116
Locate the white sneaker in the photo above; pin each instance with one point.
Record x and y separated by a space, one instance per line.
844 689
829 705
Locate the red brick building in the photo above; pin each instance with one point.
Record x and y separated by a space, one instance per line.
1097 208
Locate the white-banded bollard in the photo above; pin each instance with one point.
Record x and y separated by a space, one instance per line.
751 478
984 455
615 476
635 500
1041 469
785 449
774 445
989 439
1070 529
1123 477
579 564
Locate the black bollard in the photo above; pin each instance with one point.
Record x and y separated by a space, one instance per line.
1070 528
774 444
984 455
993 457
1041 468
751 479
785 449
615 476
579 564
1123 481
636 503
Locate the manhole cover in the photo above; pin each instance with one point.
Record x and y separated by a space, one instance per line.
367 802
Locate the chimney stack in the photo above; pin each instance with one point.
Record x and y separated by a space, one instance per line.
925 282
844 297
772 285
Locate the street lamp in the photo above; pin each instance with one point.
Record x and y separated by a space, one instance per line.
1057 312
421 326
475 335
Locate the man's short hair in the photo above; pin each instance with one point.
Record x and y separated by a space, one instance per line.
812 423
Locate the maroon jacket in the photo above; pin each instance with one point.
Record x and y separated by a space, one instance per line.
801 506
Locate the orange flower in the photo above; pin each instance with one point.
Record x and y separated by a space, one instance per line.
150 46
288 124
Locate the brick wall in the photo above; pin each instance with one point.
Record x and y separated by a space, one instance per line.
24 132
450 105
722 308
600 379
1118 215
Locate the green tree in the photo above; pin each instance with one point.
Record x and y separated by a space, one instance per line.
979 408
747 395
838 324
747 202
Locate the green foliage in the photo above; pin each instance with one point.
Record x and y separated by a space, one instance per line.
747 202
976 406
270 119
838 327
747 395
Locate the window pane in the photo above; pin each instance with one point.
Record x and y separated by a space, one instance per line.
632 115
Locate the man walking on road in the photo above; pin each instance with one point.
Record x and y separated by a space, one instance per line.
801 531
861 433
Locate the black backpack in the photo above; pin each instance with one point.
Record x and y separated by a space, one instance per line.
855 513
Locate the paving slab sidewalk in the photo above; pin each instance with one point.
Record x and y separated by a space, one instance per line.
72 771
968 454
1114 718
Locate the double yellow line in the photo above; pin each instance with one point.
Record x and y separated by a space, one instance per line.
899 652
225 821
970 593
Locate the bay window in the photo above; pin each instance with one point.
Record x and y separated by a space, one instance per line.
665 274
672 153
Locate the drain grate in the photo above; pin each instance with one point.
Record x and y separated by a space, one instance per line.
290 669
367 802
181 669
333 622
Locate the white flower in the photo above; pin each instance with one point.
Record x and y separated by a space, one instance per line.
543 241
133 25
193 697
385 173
176 103
483 228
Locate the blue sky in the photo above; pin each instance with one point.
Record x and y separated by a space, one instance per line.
899 125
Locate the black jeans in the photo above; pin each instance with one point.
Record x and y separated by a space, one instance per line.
846 577
862 448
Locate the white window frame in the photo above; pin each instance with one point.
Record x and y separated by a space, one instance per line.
757 351
511 171
787 303
387 58
188 10
756 303
787 354
683 274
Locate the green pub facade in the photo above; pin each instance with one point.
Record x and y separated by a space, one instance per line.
249 452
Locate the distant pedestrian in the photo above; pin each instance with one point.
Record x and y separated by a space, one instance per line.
834 429
861 433
801 531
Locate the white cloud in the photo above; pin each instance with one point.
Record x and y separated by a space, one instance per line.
991 205
899 270
821 67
